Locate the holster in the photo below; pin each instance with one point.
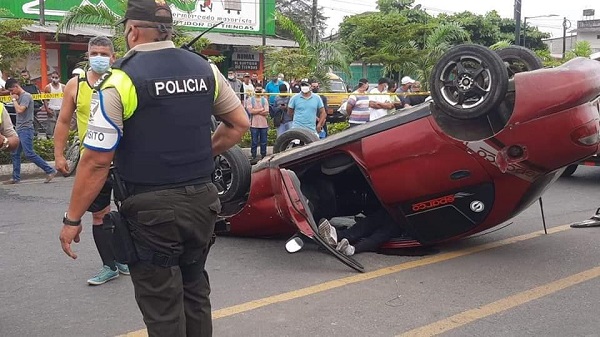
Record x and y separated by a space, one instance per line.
123 246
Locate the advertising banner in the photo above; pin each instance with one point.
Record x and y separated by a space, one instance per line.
243 61
238 16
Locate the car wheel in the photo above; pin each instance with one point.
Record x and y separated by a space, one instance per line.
294 138
232 174
468 82
569 170
519 59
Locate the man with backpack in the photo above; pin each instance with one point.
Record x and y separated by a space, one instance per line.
258 109
281 119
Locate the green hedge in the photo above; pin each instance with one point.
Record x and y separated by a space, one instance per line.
43 147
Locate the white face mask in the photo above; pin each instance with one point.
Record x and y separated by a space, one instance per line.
305 89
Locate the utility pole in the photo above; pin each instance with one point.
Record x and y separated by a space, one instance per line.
263 23
43 55
313 24
566 25
42 6
518 22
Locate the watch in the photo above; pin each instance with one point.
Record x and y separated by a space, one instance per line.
69 222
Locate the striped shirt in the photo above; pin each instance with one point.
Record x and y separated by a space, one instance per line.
360 108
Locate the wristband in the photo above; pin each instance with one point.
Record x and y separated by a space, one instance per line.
69 222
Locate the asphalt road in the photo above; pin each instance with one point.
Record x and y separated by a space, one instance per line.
507 283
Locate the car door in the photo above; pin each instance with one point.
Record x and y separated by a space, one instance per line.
301 215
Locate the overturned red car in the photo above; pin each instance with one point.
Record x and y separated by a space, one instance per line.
496 134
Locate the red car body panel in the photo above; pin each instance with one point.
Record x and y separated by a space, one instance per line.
439 188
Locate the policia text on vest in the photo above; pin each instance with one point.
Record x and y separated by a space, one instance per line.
182 86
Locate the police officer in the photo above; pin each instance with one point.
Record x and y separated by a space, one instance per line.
153 116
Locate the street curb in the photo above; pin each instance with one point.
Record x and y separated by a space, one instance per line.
30 170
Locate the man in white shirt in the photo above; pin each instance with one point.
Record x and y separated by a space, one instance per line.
247 87
53 105
379 104
281 78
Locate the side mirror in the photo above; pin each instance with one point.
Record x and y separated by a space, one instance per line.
294 244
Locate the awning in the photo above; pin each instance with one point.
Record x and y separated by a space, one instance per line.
82 30
215 38
247 40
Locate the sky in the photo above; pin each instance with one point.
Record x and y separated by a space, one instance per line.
571 9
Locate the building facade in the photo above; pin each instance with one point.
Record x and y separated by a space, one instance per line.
243 25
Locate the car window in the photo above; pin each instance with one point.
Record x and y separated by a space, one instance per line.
337 86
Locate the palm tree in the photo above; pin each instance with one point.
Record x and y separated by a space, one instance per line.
317 58
422 60
104 16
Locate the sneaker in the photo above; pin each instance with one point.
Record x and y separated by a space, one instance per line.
106 274
345 247
327 232
49 177
10 182
122 268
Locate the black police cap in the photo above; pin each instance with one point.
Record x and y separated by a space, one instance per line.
147 10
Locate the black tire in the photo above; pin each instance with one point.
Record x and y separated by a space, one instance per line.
468 82
294 138
72 156
232 174
569 170
519 59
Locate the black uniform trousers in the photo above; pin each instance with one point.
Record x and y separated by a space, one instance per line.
178 222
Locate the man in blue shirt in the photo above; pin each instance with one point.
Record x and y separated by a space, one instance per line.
273 88
306 108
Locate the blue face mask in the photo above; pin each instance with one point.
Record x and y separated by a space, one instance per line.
100 64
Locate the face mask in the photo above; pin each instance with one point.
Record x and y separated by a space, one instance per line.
230 77
100 64
305 89
55 80
258 91
315 90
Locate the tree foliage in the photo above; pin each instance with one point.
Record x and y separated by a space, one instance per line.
13 47
299 12
490 28
102 16
309 59
581 49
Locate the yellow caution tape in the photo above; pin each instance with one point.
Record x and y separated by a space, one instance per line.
342 94
8 99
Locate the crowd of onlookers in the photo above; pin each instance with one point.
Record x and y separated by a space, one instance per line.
298 104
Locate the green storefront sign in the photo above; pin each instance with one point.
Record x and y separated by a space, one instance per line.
238 16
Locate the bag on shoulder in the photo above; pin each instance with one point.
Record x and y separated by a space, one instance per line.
278 117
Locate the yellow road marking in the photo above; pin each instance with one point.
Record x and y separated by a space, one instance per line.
318 288
504 304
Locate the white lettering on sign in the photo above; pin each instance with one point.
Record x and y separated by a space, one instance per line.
183 86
